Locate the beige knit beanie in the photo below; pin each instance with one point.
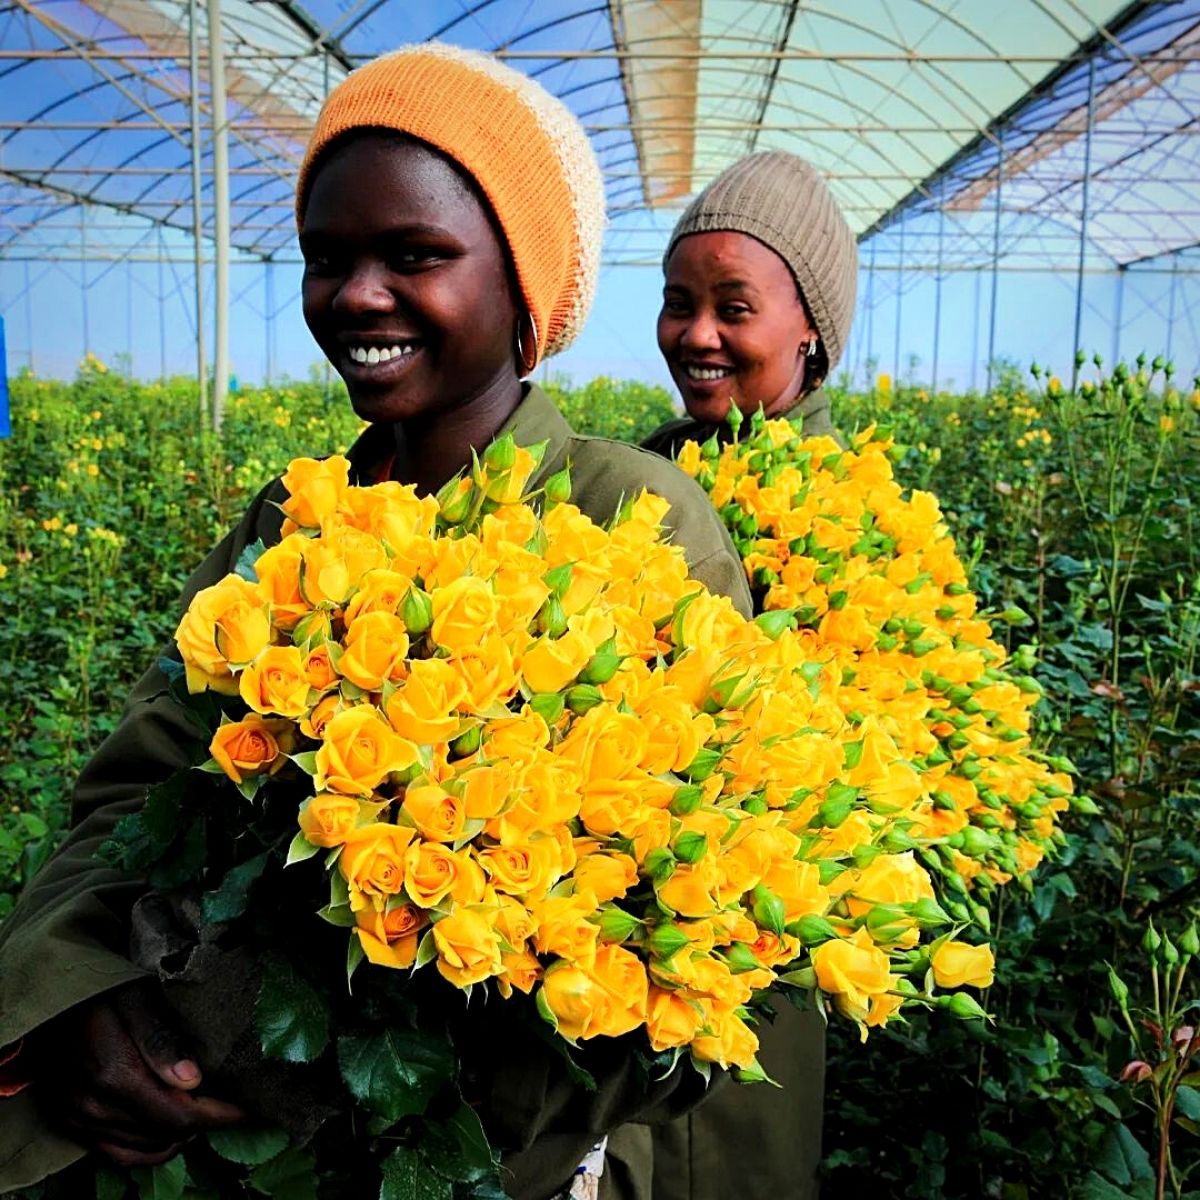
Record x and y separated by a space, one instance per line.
786 204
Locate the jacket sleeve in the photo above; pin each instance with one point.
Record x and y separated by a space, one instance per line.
67 938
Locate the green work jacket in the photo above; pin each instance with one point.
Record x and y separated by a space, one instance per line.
813 410
754 1141
67 940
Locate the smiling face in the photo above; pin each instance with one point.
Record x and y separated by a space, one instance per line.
406 283
732 326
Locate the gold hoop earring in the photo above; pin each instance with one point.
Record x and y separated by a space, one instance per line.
526 362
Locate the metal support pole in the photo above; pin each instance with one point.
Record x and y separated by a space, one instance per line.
129 318
937 297
83 279
899 311
995 262
1171 305
1118 316
162 315
197 204
269 317
220 147
975 332
1083 221
29 315
871 319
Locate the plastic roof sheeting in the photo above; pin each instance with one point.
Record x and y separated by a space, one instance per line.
952 132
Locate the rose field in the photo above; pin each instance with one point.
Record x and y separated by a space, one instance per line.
1074 510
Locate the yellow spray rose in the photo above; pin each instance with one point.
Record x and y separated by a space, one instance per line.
957 964
276 682
315 488
248 747
358 750
226 623
468 947
463 611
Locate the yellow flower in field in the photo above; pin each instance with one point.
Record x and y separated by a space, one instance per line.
52 524
97 443
92 470
1166 424
884 384
3 570
957 964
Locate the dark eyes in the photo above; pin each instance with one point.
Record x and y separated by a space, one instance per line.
675 307
327 260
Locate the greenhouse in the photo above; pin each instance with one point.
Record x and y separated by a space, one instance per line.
941 718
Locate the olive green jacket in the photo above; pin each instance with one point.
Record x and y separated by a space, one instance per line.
67 939
813 409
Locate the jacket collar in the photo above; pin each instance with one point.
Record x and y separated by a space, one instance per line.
535 419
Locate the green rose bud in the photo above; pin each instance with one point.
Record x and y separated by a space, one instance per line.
582 697
666 940
768 910
616 925
552 620
812 930
602 666
416 610
690 847
686 800
501 454
467 743
557 489
703 765
558 579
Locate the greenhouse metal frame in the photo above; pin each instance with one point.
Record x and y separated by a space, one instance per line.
1035 139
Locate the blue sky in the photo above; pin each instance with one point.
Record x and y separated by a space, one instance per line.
1034 320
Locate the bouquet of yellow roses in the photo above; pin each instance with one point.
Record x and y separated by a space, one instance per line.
871 574
530 753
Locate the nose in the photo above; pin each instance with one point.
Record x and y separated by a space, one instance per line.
700 333
364 290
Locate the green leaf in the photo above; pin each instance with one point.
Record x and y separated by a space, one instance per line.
291 1017
1187 1102
397 1072
248 1145
405 1177
288 1176
165 1182
301 849
1122 1158
111 1184
1095 1187
458 1148
246 560
229 900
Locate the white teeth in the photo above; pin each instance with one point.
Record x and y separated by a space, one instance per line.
707 373
372 355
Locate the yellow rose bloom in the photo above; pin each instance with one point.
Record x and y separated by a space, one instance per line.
276 682
358 750
957 964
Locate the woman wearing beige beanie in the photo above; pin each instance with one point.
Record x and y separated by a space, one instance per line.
760 277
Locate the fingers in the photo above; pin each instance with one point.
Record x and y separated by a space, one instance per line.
111 1080
154 1031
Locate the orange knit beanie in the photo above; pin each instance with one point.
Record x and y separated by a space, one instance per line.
522 146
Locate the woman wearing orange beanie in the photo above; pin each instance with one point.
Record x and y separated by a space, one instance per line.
450 214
